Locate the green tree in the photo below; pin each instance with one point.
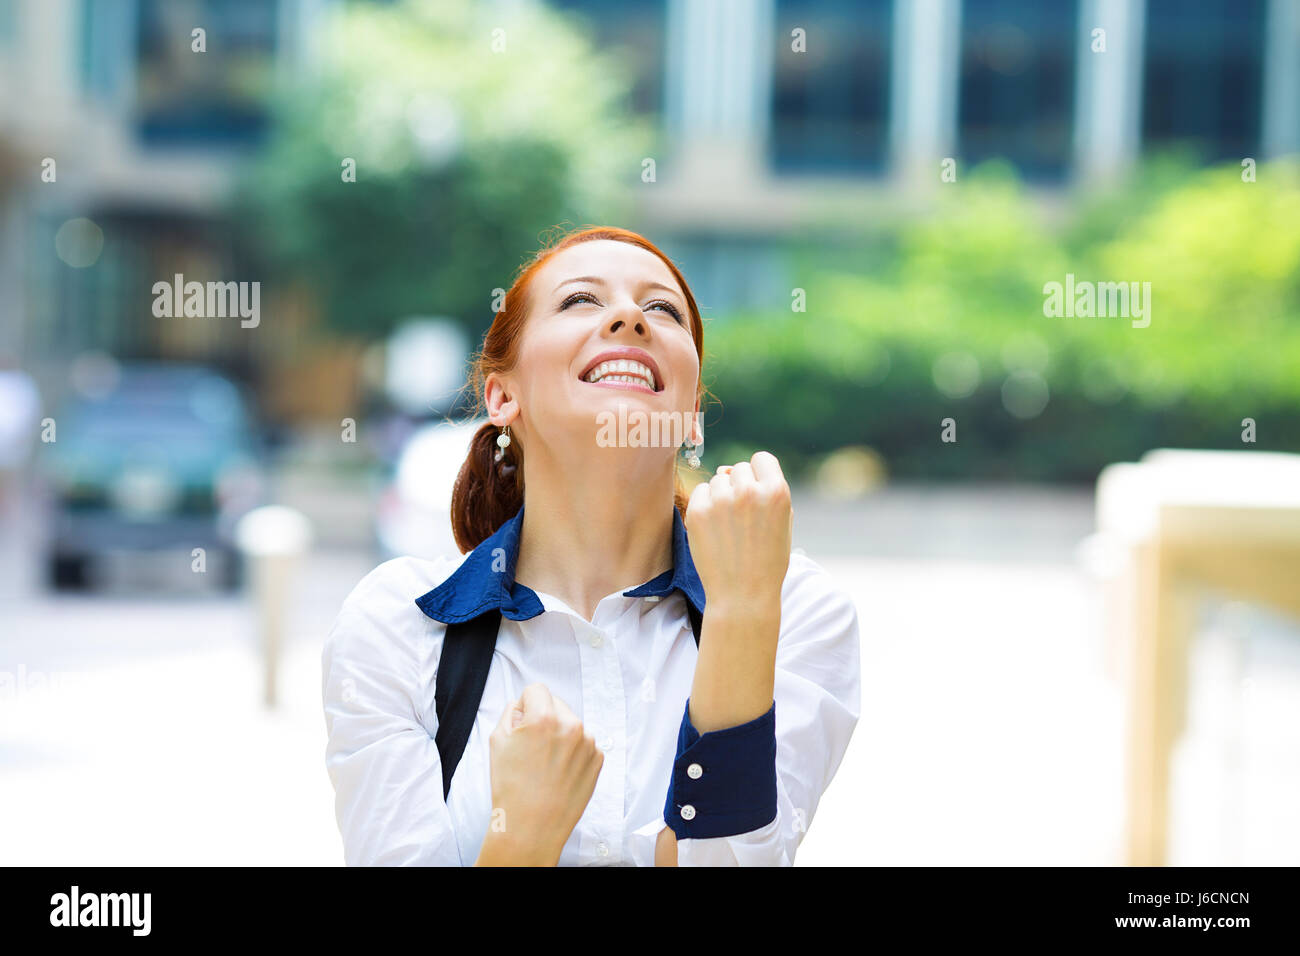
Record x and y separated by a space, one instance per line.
473 130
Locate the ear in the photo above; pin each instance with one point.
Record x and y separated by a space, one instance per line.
501 408
697 425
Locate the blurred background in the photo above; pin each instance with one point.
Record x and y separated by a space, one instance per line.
868 199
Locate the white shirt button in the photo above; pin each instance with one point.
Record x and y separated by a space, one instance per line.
597 640
607 743
695 771
602 849
688 812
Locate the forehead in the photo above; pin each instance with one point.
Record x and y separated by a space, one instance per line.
615 262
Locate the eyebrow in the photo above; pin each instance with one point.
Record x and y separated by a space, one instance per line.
597 280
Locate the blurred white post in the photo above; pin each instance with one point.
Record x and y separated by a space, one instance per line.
273 539
1189 521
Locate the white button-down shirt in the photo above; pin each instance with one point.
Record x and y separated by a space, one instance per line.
626 674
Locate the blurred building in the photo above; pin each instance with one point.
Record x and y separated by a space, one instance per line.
782 115
107 116
780 118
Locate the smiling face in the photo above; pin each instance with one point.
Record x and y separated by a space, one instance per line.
607 325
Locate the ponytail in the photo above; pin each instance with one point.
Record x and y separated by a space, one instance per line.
487 492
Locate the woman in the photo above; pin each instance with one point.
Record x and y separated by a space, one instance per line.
605 732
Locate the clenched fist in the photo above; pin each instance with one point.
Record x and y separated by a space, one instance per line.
739 524
544 768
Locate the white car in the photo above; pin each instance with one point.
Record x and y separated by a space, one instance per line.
414 512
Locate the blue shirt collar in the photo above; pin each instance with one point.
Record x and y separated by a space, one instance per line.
485 580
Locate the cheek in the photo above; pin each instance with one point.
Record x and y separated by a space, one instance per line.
687 368
545 357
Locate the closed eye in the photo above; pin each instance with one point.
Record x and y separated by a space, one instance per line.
576 296
676 313
580 296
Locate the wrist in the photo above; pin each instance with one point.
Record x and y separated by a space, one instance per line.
501 848
744 606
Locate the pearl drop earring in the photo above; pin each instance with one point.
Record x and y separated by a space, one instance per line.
692 450
503 442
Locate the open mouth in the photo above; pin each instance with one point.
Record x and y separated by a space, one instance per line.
623 372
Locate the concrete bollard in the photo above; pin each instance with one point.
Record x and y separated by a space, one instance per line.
273 540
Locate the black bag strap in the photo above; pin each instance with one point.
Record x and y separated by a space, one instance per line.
462 674
697 621
463 669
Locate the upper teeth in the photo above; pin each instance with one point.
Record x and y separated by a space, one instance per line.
622 370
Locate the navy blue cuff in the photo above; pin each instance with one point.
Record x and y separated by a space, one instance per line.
724 782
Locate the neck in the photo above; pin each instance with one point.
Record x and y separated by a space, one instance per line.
595 528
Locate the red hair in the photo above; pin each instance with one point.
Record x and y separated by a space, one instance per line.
488 493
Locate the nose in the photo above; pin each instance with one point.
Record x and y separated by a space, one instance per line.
629 318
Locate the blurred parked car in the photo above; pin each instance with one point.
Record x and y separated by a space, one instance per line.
160 458
414 513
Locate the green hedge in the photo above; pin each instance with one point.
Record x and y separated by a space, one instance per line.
962 289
